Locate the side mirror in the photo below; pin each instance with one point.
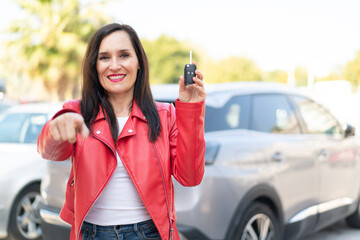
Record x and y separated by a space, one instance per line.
348 130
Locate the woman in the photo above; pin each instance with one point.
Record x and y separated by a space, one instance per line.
124 147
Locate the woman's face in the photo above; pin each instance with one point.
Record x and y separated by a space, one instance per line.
117 65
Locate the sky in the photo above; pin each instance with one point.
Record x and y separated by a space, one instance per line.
320 35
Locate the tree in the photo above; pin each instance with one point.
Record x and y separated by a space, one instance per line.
301 76
234 69
50 42
276 76
352 70
167 58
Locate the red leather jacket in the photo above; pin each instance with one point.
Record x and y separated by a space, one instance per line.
179 151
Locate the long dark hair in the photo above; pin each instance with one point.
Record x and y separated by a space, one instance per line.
94 96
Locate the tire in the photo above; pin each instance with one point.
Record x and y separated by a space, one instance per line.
24 223
258 222
354 219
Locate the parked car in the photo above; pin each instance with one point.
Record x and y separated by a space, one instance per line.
21 169
4 105
278 165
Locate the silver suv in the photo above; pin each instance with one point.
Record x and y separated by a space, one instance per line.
278 166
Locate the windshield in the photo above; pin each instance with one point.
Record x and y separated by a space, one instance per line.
21 127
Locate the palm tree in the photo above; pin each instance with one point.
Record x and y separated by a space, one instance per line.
50 41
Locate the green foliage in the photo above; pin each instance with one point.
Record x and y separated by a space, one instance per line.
50 43
167 58
330 77
47 46
352 70
301 76
231 69
275 76
234 69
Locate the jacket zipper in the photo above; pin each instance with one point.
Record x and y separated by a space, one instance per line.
163 181
100 191
166 198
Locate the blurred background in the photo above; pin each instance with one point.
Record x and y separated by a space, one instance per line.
312 45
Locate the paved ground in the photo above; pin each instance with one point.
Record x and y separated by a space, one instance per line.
338 231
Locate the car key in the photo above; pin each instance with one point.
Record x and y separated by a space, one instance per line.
189 71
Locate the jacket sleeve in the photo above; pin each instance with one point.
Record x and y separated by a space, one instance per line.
187 143
48 147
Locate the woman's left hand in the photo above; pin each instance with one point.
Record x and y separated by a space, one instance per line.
194 92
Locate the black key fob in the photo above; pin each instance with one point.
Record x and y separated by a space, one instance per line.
189 73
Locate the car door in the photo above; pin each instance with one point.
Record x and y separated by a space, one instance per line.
336 156
290 155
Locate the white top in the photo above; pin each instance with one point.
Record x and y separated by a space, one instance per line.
119 203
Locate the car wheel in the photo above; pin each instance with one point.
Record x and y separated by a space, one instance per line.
25 216
354 219
258 222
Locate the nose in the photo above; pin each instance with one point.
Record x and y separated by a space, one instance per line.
115 64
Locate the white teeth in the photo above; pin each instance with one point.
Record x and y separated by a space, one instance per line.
116 77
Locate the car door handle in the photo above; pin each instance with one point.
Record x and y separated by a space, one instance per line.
277 157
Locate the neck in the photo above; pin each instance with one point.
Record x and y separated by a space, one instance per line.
122 106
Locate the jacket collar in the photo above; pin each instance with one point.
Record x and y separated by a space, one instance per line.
135 112
102 129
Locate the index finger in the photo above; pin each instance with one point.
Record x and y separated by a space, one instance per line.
80 126
84 131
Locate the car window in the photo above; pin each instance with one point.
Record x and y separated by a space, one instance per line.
316 118
33 128
234 115
21 127
273 113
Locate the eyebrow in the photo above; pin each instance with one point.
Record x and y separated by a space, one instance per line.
120 51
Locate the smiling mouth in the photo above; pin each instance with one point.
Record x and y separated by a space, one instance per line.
116 77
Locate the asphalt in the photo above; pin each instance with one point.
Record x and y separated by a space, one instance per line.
338 231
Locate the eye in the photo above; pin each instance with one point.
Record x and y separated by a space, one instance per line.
103 58
124 55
